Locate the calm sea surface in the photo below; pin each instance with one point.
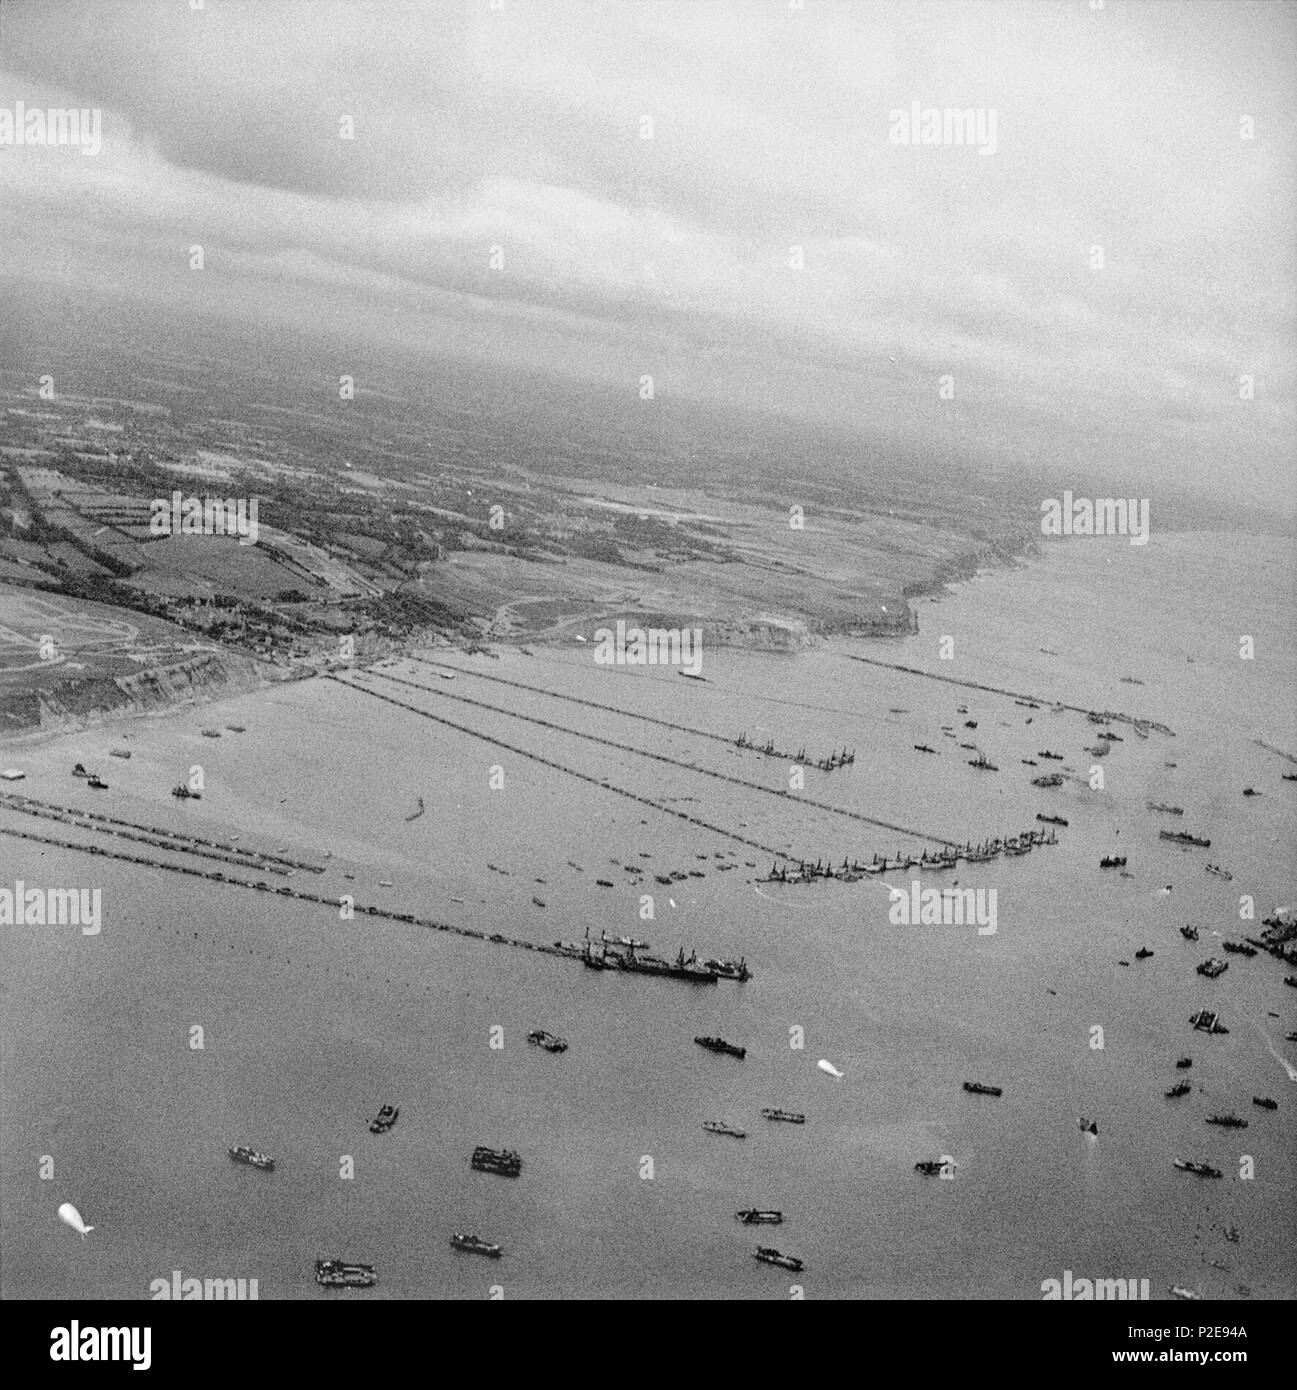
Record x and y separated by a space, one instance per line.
310 1023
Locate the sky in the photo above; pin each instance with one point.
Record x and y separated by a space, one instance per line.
1087 290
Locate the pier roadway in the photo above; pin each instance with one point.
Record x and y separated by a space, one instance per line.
780 792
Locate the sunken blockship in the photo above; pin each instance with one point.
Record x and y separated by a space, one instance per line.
850 871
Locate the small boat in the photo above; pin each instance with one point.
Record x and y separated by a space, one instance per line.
791 1117
211 733
339 1274
1143 953
720 1127
1250 791
1220 873
538 1037
241 1153
1181 1088
1189 933
417 812
929 1167
754 1216
384 1120
1087 1126
720 1045
79 770
119 752
446 675
1204 1170
1213 967
475 1245
236 728
978 1089
97 783
1265 1102
1179 1291
1227 1121
767 1255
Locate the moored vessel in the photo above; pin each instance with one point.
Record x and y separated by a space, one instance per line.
341 1274
770 1256
475 1245
720 1045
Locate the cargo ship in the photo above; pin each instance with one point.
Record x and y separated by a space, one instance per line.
1238 949
1050 820
1181 1088
768 1255
1227 1121
1182 837
241 1153
720 1127
1050 779
339 1274
538 1037
1213 966
502 1161
1204 1170
475 1245
1113 861
788 1116
1045 753
978 1089
754 1216
1265 1102
720 1045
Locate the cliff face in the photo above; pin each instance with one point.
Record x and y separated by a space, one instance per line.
74 704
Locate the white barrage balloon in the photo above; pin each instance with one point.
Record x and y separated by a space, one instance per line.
69 1214
830 1068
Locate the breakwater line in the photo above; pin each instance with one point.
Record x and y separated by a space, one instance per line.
233 853
405 918
1111 715
780 792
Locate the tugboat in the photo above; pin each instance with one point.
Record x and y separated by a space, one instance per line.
929 1167
767 1255
1227 1121
1189 933
384 1120
1250 791
1213 967
720 1127
502 1161
1143 953
754 1216
978 1089
475 1245
1204 1170
1181 1088
182 791
1265 1102
338 1274
720 1045
538 1037
97 783
788 1116
1182 837
242 1154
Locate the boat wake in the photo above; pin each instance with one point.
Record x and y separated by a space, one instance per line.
1274 1052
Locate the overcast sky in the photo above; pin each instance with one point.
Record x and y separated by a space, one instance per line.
521 128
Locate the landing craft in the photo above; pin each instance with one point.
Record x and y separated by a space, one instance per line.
72 1217
830 1068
